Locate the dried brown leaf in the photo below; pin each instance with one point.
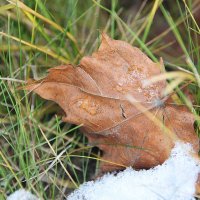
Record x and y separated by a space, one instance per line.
94 94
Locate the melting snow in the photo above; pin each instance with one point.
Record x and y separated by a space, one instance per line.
22 195
173 180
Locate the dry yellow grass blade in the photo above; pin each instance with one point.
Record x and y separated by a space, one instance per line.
34 24
10 168
150 18
194 69
6 7
191 15
152 117
169 75
25 8
57 157
17 48
39 48
173 84
98 159
12 16
159 123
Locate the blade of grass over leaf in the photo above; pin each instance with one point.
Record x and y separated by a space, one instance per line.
168 75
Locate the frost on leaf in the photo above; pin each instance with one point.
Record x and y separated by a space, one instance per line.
94 94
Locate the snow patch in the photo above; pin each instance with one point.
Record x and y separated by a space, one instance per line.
22 194
173 180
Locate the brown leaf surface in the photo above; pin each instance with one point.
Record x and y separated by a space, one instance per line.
95 94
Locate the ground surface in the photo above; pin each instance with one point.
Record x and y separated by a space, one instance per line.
37 150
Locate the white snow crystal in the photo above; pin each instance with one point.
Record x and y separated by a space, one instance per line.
173 180
22 195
